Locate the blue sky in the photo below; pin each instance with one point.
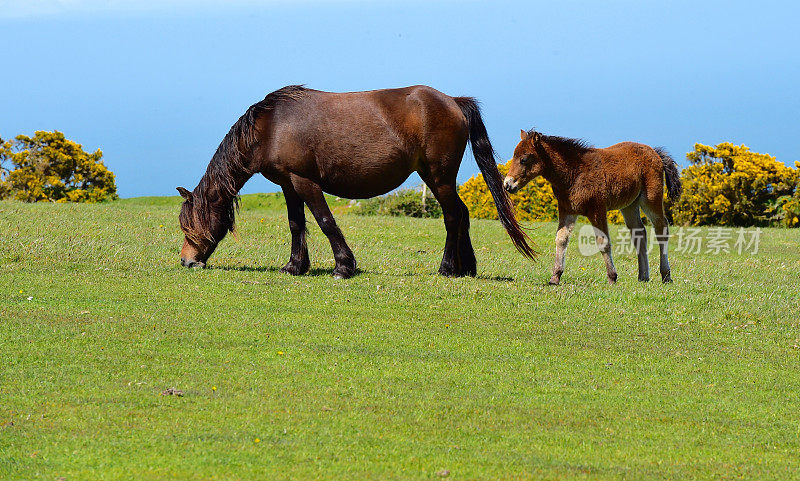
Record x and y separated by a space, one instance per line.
156 85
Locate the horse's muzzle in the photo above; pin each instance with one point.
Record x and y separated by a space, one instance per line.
510 184
191 264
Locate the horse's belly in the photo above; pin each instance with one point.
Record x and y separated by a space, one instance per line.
361 180
622 194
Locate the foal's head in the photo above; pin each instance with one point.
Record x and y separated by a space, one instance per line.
527 162
204 224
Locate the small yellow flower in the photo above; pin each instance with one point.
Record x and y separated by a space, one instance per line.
161 225
20 291
256 440
213 388
262 221
280 353
447 325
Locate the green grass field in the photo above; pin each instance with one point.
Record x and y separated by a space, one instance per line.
397 373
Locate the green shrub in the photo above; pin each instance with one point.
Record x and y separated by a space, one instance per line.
405 202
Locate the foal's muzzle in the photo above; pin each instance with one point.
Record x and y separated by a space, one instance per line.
510 184
190 264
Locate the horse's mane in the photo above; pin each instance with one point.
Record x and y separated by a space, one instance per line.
565 144
228 162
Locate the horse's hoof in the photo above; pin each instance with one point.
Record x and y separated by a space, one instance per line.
456 275
644 279
294 269
554 281
448 268
448 272
667 280
343 273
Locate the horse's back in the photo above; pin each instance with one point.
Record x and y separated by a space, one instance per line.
629 168
632 156
410 113
361 144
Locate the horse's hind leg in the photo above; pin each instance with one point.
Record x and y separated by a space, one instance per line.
459 257
654 210
638 237
466 254
299 261
600 223
566 223
312 195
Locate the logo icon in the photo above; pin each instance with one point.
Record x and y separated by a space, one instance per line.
587 240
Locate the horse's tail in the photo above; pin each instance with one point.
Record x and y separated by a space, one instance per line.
484 156
674 187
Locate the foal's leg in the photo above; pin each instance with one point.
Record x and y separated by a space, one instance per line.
299 261
566 223
459 258
639 238
654 210
600 223
312 195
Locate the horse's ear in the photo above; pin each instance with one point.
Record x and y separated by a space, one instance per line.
523 134
185 193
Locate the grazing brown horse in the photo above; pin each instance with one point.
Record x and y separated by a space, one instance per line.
352 145
589 181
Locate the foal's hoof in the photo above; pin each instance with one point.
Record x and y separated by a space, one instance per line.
554 281
667 279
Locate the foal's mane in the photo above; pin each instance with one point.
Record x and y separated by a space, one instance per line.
567 146
228 163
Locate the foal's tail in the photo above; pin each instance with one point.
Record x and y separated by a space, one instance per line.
674 187
484 156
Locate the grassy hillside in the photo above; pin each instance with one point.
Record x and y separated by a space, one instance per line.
397 373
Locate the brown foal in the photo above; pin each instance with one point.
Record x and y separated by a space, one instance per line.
589 181
352 145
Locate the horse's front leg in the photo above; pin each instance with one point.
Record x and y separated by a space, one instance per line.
299 261
311 193
566 223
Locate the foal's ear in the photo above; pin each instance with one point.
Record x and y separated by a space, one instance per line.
523 134
185 193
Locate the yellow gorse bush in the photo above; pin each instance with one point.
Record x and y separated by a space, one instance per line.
534 202
49 167
732 186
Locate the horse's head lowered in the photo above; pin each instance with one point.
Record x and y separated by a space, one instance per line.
204 227
527 162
